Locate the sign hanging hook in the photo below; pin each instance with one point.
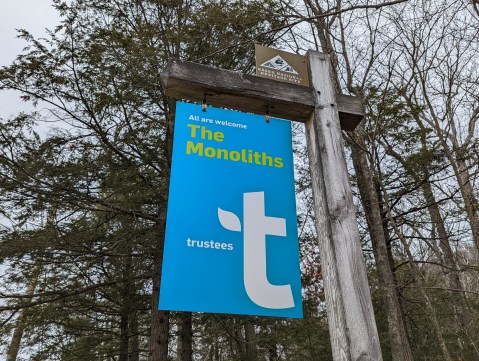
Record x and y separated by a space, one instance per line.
203 105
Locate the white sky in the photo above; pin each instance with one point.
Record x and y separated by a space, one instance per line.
32 15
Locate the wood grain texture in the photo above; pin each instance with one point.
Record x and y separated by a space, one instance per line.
249 93
353 333
335 304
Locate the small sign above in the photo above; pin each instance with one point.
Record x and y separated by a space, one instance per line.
281 65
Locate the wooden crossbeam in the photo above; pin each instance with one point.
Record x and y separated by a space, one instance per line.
249 93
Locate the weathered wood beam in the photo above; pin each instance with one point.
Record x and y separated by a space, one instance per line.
352 325
249 93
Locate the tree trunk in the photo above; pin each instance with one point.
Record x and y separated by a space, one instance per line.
471 203
22 320
134 347
272 352
239 338
460 168
127 293
185 338
419 278
250 339
400 348
160 321
214 351
123 336
446 256
429 306
14 346
452 268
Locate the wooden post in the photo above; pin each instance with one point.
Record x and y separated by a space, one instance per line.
352 326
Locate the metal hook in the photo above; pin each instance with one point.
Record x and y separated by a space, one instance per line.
203 105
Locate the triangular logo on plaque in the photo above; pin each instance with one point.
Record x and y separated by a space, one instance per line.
278 63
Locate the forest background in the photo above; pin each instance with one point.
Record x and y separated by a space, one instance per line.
83 205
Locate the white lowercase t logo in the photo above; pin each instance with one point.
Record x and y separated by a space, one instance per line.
256 226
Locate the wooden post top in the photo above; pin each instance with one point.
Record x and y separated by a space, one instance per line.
249 93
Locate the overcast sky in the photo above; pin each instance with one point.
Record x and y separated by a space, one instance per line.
32 15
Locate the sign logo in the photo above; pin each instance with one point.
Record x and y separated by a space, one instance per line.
231 242
278 63
281 65
256 227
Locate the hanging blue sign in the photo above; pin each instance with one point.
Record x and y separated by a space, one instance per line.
231 242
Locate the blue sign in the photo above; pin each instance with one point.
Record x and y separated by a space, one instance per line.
231 241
